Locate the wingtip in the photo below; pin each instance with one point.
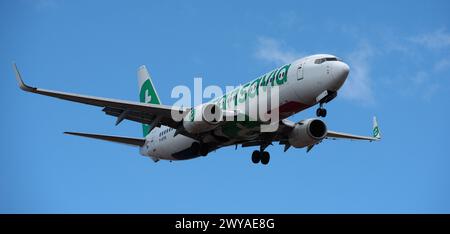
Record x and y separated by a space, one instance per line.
19 79
376 129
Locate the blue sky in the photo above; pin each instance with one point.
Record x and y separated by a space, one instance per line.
399 53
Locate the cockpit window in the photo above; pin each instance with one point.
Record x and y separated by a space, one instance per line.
321 60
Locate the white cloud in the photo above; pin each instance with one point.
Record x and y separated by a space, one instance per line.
423 85
420 83
426 83
434 40
442 65
358 86
419 79
270 50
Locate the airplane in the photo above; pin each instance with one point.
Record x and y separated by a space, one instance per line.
304 83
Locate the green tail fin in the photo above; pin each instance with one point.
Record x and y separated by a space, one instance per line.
147 92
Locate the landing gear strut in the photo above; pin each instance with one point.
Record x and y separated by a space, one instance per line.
325 97
321 111
258 156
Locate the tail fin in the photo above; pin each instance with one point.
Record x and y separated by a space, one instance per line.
376 129
147 92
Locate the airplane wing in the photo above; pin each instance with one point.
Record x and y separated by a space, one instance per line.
286 126
140 112
376 135
340 135
117 139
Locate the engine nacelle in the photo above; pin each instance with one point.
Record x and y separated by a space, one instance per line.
307 132
202 118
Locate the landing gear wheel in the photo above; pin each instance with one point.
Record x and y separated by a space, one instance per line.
324 112
256 156
195 148
265 157
321 112
204 150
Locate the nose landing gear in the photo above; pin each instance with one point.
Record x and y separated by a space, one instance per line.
321 112
325 97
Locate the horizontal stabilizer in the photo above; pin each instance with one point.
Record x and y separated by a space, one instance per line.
117 139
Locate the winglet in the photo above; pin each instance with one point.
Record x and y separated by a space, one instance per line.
376 130
22 84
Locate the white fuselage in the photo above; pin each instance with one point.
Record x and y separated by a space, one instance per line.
303 84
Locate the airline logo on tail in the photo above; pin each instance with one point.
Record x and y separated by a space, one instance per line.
147 93
376 130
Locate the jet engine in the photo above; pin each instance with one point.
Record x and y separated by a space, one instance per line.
202 118
307 132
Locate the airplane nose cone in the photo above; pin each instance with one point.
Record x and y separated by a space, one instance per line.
340 72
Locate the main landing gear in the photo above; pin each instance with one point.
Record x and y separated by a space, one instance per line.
199 149
258 156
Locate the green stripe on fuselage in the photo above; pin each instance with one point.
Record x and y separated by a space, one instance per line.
250 90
